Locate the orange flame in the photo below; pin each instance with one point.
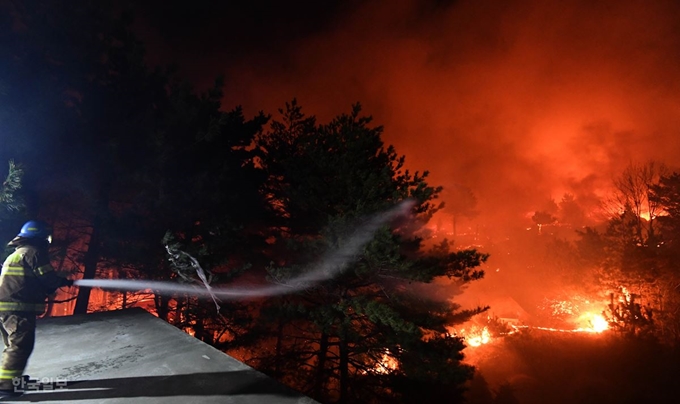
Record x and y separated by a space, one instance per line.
386 364
596 323
592 323
474 336
479 338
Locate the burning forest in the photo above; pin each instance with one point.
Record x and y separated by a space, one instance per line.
575 308
441 201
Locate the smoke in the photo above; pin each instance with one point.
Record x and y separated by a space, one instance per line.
518 100
332 264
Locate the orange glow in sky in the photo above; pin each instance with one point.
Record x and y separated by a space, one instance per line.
527 99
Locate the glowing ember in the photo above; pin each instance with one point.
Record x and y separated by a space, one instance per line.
576 315
582 312
474 336
593 323
479 339
386 364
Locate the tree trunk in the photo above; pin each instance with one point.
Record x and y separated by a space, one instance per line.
178 312
162 306
200 332
90 260
319 379
278 351
344 372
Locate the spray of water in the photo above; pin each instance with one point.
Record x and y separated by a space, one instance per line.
332 264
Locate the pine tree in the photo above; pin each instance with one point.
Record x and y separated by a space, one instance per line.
666 194
120 153
365 335
10 200
11 203
635 257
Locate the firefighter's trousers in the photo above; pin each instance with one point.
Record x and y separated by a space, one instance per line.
18 334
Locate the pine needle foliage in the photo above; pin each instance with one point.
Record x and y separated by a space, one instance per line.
368 334
10 200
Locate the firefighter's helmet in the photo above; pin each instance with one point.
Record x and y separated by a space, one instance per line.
36 229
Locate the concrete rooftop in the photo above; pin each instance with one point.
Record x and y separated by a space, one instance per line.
130 356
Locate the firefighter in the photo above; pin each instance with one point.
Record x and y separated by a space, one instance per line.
26 280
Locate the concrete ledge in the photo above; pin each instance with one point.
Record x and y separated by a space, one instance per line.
129 356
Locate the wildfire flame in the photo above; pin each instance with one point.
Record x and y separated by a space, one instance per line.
584 313
386 365
473 336
479 339
581 315
593 323
597 323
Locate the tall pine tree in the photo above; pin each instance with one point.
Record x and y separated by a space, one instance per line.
366 335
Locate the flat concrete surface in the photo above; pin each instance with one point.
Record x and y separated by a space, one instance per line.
130 356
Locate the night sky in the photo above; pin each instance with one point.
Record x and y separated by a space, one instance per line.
521 101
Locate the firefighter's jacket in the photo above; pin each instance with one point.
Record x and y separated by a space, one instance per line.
26 280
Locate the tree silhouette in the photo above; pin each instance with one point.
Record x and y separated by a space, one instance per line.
570 212
11 203
460 202
365 335
639 254
542 218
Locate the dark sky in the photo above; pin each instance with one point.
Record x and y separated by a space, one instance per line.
520 100
205 37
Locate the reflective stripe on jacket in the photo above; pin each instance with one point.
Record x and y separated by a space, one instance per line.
27 278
